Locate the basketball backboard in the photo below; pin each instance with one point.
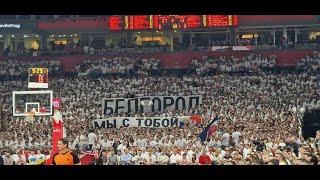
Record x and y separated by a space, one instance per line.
39 102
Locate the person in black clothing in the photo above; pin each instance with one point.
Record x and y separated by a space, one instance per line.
131 140
111 46
6 52
1 160
97 160
61 47
314 160
295 147
115 146
53 45
2 121
260 146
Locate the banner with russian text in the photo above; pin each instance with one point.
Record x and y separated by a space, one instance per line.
152 122
159 104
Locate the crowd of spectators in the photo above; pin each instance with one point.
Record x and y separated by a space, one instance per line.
311 63
124 66
15 68
251 63
257 125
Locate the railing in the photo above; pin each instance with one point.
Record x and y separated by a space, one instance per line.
150 50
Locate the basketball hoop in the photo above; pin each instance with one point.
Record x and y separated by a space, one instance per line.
30 117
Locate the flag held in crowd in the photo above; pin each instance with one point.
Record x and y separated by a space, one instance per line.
185 120
210 129
87 156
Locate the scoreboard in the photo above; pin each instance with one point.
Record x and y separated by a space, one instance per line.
116 23
38 78
139 22
170 22
218 20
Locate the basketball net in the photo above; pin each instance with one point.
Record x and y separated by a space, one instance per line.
30 117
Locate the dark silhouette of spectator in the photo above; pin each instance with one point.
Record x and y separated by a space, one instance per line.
53 45
78 44
111 46
6 51
61 46
1 161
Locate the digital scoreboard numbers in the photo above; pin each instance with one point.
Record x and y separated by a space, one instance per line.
38 71
116 23
139 22
194 21
38 78
219 20
170 22
180 22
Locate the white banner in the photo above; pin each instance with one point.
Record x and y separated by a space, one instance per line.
220 48
242 48
159 104
152 122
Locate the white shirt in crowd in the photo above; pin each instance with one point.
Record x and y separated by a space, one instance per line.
15 157
86 49
106 144
92 138
246 151
225 139
82 138
121 147
214 143
235 136
269 145
141 142
175 158
96 146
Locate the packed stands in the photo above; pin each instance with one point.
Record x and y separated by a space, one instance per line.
258 108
